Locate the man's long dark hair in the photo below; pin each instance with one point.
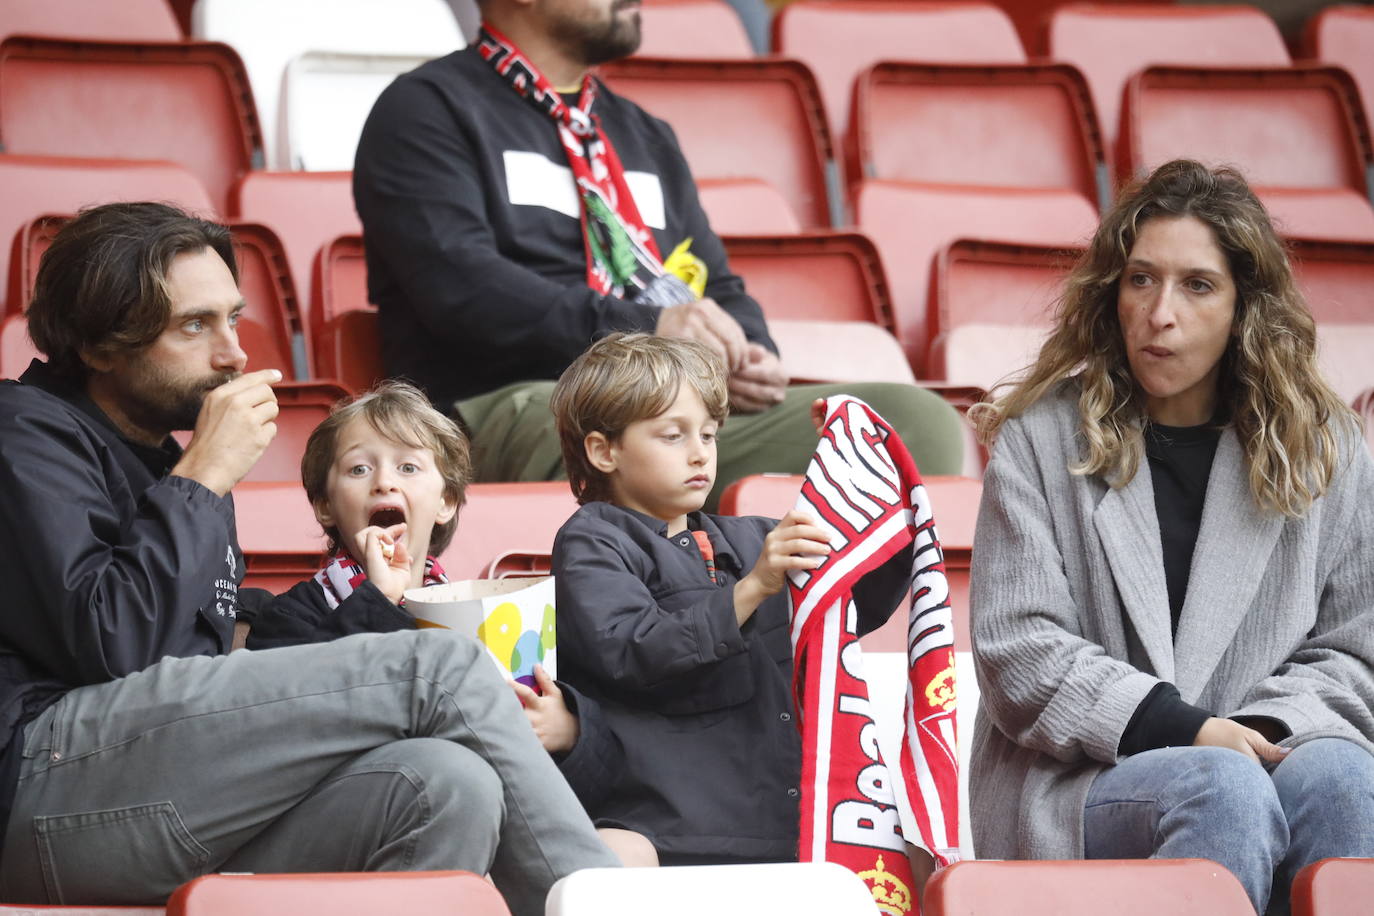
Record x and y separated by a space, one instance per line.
102 285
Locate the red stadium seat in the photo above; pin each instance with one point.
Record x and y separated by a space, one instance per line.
1334 887
30 242
346 338
833 276
840 38
991 306
16 349
186 101
135 20
912 222
1344 36
1108 43
1337 280
1138 887
954 500
271 323
692 28
746 206
991 126
720 108
435 893
500 519
305 210
32 186
281 541
303 406
1296 131
25 909
839 351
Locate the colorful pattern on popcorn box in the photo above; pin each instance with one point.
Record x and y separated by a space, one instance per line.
514 618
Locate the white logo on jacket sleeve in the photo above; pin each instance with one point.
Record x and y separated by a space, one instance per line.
532 180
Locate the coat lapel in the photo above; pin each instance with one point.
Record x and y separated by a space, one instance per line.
1233 549
1128 529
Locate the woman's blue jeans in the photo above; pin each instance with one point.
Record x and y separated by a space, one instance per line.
1262 824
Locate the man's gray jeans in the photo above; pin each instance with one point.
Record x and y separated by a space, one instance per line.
377 752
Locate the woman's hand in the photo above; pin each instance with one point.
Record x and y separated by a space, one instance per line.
1216 732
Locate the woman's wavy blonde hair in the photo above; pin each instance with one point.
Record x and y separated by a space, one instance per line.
1270 388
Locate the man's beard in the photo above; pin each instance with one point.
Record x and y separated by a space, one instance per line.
157 401
597 43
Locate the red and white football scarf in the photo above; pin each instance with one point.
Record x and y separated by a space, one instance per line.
622 256
342 574
863 485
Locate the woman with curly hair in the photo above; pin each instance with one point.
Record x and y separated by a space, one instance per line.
1173 574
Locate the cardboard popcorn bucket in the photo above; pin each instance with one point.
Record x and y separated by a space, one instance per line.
513 618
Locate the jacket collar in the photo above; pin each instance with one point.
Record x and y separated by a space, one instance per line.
1234 544
1233 548
726 558
152 460
1128 529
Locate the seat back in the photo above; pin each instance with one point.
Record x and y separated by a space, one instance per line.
32 186
1108 43
270 328
282 542
1343 35
692 28
1136 887
306 210
717 108
135 20
504 518
810 887
184 101
302 406
340 893
1337 280
1285 128
271 33
746 206
346 339
992 304
1333 887
912 222
839 351
832 276
838 39
991 126
326 97
24 909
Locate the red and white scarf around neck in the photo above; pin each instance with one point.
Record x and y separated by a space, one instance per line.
863 485
342 574
622 257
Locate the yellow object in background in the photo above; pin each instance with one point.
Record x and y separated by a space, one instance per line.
687 267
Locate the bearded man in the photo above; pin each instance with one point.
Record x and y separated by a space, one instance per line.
515 210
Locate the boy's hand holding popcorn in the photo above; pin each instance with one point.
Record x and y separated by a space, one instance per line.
385 559
555 726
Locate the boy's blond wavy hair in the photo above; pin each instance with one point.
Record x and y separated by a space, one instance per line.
619 380
1270 389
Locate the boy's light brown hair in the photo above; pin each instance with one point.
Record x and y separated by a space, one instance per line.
399 411
619 380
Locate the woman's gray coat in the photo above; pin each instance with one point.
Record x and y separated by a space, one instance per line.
1071 624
